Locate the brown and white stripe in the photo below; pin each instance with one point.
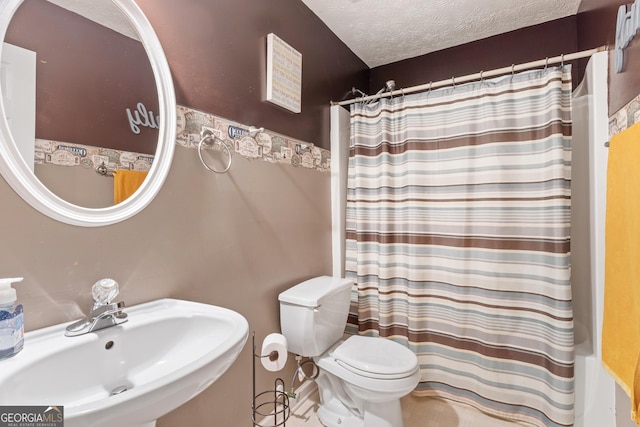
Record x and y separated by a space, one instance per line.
458 217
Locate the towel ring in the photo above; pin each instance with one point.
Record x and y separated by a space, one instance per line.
206 135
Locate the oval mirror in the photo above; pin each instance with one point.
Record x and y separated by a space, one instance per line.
155 118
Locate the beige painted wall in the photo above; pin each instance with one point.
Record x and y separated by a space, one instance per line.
233 240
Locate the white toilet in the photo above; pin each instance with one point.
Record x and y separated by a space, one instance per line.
361 379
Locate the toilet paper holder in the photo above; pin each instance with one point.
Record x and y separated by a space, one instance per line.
271 406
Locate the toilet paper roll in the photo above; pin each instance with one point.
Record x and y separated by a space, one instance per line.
274 352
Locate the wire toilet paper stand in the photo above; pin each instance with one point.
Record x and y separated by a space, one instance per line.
272 406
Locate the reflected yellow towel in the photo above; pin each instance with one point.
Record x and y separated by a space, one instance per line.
125 183
621 326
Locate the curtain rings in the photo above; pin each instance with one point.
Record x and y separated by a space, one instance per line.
546 63
430 84
562 61
481 77
453 81
208 135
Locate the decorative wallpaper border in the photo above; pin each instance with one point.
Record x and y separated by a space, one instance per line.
265 145
68 154
625 117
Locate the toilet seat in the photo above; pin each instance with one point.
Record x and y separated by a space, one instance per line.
374 357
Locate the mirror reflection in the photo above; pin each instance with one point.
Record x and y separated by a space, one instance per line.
80 96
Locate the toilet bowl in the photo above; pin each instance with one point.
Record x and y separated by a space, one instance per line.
361 379
361 382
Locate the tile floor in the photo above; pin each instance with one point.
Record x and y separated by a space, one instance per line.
417 412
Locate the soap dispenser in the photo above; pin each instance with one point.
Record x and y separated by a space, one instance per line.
11 319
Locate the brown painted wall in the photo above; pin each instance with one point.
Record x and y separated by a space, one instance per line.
217 54
86 78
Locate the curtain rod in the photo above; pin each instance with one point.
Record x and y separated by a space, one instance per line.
480 75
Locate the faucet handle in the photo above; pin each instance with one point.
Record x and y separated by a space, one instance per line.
104 291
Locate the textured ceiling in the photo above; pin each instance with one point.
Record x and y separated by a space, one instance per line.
383 31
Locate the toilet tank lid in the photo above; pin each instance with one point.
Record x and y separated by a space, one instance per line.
311 292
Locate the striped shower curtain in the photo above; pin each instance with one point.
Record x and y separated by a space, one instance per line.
458 217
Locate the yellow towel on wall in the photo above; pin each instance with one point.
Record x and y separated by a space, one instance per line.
125 183
621 325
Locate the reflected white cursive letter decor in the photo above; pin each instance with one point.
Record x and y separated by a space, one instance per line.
142 117
627 26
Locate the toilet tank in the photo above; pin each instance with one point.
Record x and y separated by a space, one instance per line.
313 314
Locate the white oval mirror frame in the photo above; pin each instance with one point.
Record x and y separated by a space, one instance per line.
24 182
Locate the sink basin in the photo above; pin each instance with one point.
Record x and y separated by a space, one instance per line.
127 375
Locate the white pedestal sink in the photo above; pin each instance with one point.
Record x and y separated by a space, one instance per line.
126 375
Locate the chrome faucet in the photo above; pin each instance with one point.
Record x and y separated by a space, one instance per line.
104 313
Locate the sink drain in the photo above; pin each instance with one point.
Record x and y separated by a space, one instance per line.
119 390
